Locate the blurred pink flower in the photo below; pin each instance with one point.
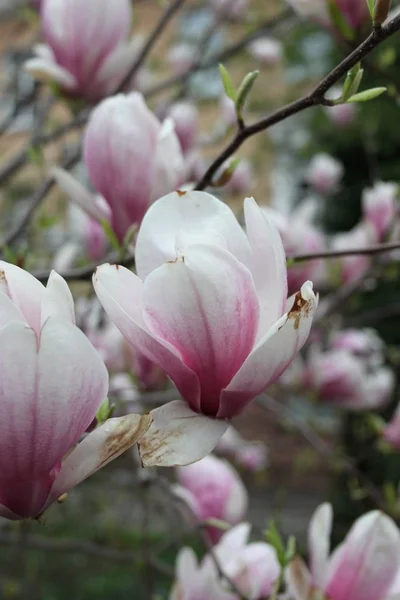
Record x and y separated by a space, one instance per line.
53 382
391 432
132 160
363 567
355 11
354 267
324 173
250 455
252 567
216 491
209 307
231 8
266 50
88 52
379 205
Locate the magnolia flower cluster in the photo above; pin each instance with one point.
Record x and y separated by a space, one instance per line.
350 373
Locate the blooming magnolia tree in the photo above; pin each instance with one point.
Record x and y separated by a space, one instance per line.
150 305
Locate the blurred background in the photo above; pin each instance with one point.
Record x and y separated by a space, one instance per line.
117 535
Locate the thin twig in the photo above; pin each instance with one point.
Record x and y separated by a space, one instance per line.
315 98
365 251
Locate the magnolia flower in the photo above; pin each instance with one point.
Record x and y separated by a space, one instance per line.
340 377
363 343
209 306
363 567
88 52
354 267
252 567
379 205
324 173
132 159
214 490
250 455
52 384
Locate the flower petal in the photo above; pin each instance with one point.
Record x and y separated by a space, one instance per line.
120 293
365 565
178 436
98 448
72 383
24 290
206 307
43 69
272 355
78 194
198 214
319 533
57 300
169 163
268 264
298 580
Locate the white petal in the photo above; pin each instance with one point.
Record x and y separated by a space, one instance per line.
203 217
179 436
116 65
47 71
268 264
99 448
80 195
319 533
57 300
169 162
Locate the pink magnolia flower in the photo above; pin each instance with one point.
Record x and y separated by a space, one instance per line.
196 581
209 306
186 120
363 567
342 378
216 491
52 384
363 343
132 159
379 205
324 173
252 567
88 52
250 455
354 267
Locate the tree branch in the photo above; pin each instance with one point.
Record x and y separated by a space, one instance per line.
366 251
315 98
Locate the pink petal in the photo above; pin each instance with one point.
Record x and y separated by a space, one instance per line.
98 210
178 436
365 565
24 290
120 292
100 447
268 264
206 307
57 300
272 355
204 218
319 533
